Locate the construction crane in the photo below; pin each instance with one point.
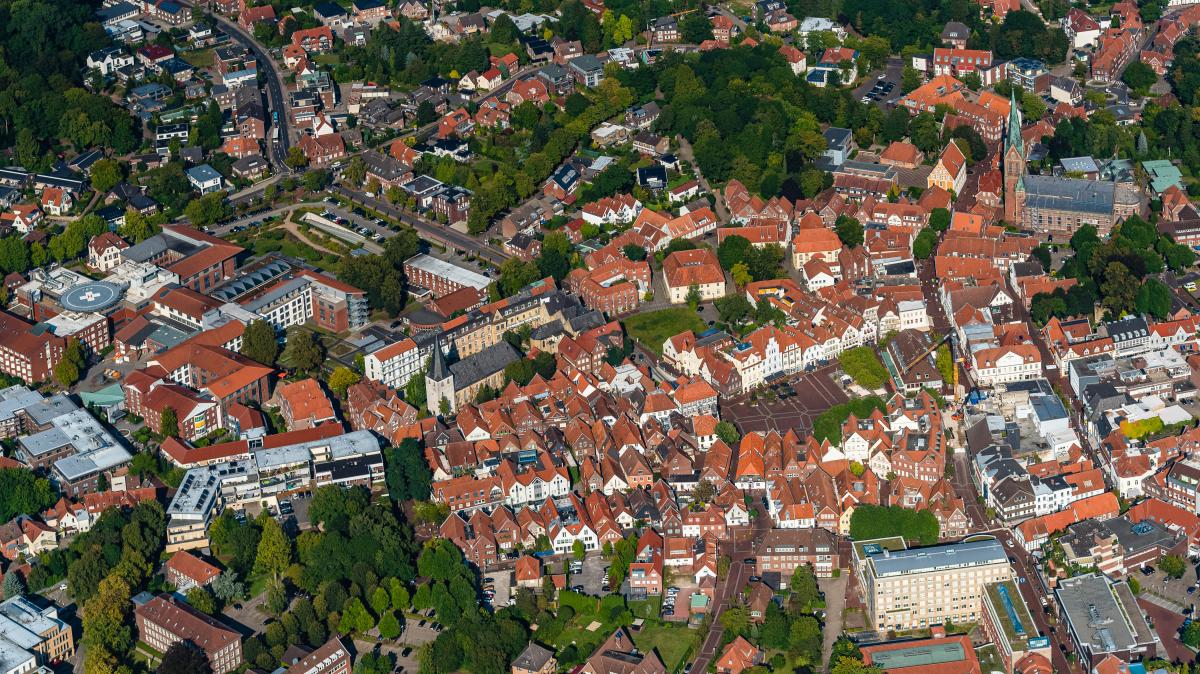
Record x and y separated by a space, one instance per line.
925 354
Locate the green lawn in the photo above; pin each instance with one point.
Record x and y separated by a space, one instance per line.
327 59
655 327
199 59
673 643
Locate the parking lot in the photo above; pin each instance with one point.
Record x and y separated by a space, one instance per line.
792 403
883 87
501 583
591 578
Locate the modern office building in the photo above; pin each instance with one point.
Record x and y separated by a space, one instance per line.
921 587
1103 619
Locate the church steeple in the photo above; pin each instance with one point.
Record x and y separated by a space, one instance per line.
1012 139
437 368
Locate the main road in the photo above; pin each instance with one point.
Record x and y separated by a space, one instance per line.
446 236
277 148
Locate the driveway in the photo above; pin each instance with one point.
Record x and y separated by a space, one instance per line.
835 602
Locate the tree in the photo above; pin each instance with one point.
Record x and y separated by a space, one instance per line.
202 600
168 426
924 243
355 618
734 309
939 218
227 587
1139 76
728 433
274 550
356 171
414 390
578 550
849 231
407 472
515 274
695 28
740 273
1154 298
870 521
1172 565
105 175
341 379
14 585
66 373
184 657
1119 289
634 252
259 343
389 626
732 251
207 210
849 665
302 352
693 296
804 642
297 160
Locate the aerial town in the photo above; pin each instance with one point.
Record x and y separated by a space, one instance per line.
599 337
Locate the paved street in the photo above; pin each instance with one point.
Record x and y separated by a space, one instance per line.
446 236
278 149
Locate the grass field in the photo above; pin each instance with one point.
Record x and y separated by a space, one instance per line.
199 59
655 327
674 644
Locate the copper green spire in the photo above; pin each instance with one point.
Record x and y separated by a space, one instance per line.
1013 139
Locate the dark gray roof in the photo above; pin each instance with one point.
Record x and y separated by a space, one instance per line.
1068 194
482 365
956 30
533 658
437 367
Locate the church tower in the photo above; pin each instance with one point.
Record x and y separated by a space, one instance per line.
1014 163
439 382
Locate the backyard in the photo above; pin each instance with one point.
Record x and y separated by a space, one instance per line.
593 619
655 327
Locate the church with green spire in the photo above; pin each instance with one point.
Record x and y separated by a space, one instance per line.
1014 163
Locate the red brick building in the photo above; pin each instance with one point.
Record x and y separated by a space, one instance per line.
165 621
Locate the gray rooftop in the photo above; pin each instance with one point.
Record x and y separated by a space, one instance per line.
954 555
482 365
1068 194
16 398
447 270
1098 616
203 173
356 443
200 487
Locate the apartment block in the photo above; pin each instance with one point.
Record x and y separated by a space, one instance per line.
783 550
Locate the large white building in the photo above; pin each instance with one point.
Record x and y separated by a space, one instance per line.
395 364
917 588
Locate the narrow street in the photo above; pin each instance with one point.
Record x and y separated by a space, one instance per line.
686 154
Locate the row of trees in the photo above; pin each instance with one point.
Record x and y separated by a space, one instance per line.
1119 272
870 521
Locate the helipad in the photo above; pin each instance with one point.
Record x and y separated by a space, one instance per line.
89 297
